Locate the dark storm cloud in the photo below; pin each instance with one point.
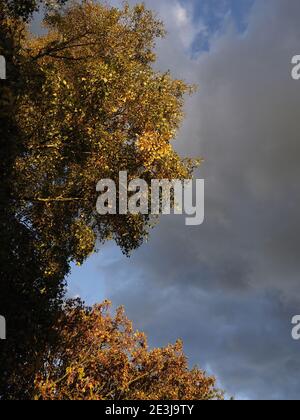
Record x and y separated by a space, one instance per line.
230 287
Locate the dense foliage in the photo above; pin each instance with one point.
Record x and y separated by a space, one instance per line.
100 357
80 103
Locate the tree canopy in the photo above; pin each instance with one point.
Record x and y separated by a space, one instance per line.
80 103
101 357
92 107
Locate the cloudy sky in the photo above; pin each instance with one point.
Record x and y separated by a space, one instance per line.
230 287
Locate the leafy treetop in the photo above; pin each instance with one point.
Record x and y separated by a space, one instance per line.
101 357
92 105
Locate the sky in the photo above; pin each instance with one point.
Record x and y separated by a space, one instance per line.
230 287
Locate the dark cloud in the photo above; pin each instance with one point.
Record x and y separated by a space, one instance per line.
230 287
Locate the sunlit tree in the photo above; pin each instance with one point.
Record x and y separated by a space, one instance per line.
101 357
80 104
93 106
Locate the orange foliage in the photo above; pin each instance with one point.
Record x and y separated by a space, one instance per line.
100 357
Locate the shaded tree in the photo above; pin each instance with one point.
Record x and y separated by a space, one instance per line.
31 303
28 299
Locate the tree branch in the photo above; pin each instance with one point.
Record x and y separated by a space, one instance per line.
54 200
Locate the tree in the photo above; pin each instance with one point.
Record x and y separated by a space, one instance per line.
100 357
87 104
93 107
23 9
30 303
28 299
80 103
